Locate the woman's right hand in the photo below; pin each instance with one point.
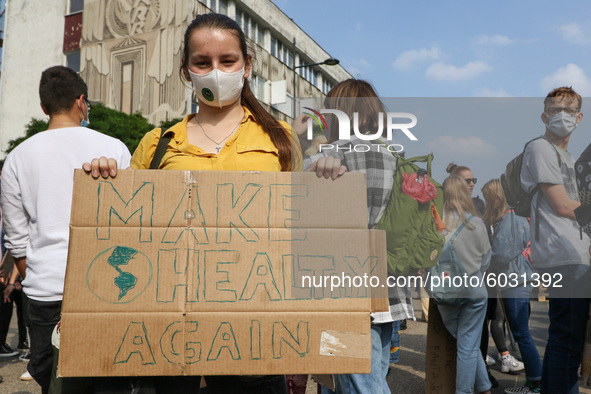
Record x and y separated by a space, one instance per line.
101 166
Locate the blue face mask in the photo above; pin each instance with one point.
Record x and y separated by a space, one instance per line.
85 122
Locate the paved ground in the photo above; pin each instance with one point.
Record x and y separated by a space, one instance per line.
409 375
406 377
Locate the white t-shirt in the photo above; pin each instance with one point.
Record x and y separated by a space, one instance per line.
37 183
560 241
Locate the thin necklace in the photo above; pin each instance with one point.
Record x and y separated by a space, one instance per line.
218 146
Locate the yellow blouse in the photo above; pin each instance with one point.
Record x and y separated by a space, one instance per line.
249 149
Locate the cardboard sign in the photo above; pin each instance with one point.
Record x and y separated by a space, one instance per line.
441 355
216 273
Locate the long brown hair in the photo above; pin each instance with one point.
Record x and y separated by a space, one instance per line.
280 137
496 204
457 200
356 95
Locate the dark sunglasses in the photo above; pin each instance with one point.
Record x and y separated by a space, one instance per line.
471 180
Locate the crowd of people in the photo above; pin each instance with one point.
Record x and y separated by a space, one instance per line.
216 64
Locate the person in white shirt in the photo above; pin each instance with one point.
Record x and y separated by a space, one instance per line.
37 182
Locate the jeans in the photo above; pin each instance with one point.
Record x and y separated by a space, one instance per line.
464 322
395 346
374 382
517 311
566 333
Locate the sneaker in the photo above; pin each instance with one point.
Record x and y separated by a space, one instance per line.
490 360
7 351
510 364
23 345
26 376
25 357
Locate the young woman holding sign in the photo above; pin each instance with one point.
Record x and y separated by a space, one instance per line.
231 132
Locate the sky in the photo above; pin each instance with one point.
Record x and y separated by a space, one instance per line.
510 50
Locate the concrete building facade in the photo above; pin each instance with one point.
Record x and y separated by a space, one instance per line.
129 53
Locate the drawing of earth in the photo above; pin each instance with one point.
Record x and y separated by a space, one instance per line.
119 274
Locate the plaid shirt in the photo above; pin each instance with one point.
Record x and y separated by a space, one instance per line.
378 164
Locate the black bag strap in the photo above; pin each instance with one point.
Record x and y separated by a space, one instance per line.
165 138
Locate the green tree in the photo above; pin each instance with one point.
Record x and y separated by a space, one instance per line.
128 128
33 127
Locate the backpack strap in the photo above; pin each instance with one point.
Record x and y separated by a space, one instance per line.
426 159
453 237
537 188
161 148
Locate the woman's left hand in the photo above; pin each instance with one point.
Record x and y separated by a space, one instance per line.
328 167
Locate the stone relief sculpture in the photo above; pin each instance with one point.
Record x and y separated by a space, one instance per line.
131 52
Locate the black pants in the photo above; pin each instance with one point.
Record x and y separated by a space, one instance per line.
5 316
43 316
147 385
269 384
16 297
19 299
496 318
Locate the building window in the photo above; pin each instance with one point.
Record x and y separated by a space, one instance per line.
219 6
127 87
258 87
76 6
73 60
273 46
251 29
326 86
281 52
222 7
260 36
311 75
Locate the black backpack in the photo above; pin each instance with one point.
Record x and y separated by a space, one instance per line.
516 197
583 174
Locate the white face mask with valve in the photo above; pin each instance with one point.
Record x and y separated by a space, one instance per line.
218 88
562 124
